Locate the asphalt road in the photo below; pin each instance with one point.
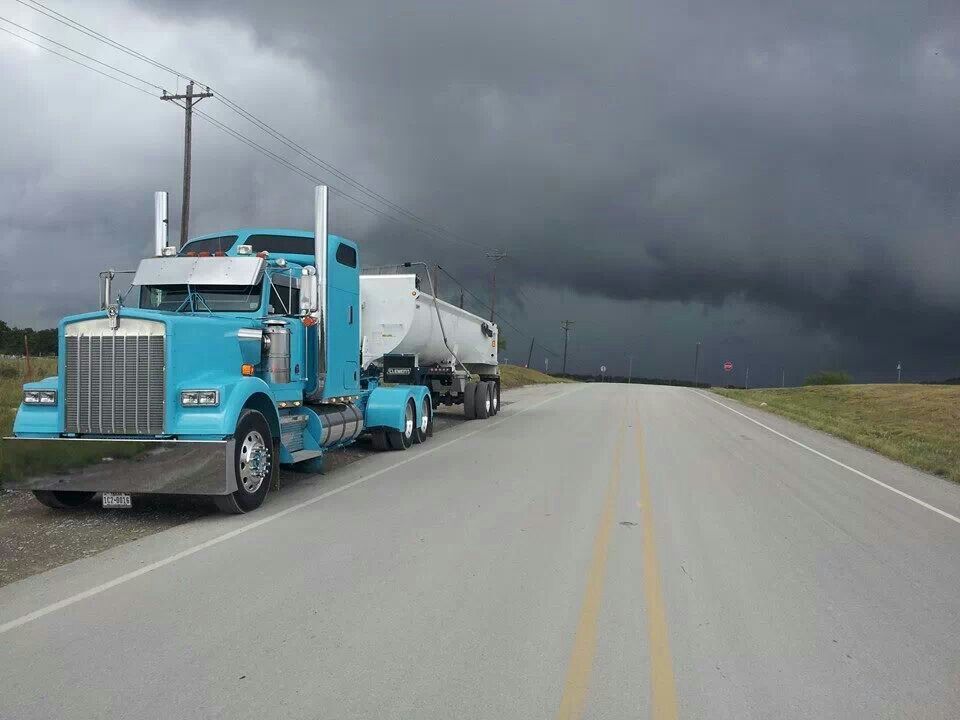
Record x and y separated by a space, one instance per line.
593 551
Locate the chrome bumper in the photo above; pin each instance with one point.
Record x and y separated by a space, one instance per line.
165 466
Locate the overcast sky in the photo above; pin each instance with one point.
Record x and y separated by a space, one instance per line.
779 180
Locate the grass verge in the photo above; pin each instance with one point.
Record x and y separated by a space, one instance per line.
514 376
26 459
915 424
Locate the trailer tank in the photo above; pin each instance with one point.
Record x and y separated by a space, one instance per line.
398 319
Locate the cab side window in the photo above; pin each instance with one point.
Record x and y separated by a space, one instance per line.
284 300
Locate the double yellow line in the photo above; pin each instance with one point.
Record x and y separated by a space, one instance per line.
662 684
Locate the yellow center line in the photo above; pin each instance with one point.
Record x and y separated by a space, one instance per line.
662 684
577 682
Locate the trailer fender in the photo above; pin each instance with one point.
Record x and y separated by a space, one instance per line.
386 406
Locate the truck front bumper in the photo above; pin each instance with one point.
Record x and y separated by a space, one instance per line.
176 467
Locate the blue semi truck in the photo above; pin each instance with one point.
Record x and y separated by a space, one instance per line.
237 353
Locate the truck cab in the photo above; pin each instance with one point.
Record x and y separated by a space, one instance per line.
227 357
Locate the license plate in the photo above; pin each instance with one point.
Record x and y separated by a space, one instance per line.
117 500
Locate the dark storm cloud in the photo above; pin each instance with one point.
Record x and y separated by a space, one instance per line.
797 160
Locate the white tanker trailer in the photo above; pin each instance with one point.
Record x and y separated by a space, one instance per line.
411 337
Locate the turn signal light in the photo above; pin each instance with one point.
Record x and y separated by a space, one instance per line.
246 369
309 321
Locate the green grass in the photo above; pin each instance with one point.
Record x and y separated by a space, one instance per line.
916 424
514 376
26 459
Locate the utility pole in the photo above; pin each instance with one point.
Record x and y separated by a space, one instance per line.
546 365
899 368
696 366
566 325
496 256
746 380
630 369
461 298
189 99
530 354
783 378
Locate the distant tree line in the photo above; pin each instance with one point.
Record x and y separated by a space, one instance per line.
41 342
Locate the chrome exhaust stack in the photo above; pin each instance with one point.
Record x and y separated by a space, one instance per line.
160 223
320 215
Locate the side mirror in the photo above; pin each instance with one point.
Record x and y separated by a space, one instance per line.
309 291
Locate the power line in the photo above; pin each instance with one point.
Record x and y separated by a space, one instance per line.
437 231
80 27
74 60
444 232
77 52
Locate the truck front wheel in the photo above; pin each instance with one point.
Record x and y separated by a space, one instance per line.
63 499
254 464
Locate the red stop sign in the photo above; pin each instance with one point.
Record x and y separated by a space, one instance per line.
728 366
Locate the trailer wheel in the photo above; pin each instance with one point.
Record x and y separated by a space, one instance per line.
63 499
484 401
254 464
495 396
425 428
402 439
378 438
470 400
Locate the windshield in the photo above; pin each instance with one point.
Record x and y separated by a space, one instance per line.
216 298
210 245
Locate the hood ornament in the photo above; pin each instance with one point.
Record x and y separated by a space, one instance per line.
113 313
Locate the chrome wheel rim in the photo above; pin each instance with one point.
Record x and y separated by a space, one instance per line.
495 403
425 419
254 461
408 426
487 403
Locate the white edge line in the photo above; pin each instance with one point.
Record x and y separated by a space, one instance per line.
73 599
892 489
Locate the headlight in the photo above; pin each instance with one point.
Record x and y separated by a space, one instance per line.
40 397
204 398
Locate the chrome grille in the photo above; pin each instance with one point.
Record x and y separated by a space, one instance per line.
115 379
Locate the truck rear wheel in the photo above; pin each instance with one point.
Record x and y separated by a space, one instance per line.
470 400
63 499
495 396
402 439
425 427
254 464
484 401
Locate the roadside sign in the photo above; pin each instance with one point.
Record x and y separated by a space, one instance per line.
728 366
603 368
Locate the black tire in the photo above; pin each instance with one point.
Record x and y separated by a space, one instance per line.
495 389
378 439
484 401
401 440
255 463
470 401
424 428
63 499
